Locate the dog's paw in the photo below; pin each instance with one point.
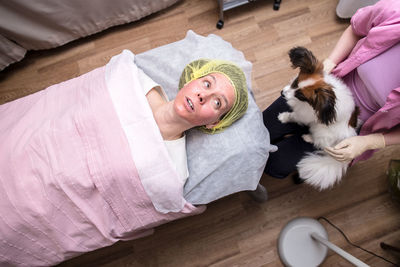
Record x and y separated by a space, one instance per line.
284 117
308 138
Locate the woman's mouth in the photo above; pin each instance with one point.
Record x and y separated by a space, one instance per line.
190 104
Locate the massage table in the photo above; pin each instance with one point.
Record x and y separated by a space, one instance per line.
73 180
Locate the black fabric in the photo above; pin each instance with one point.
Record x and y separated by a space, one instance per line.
287 137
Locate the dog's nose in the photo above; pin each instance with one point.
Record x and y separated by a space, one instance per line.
282 93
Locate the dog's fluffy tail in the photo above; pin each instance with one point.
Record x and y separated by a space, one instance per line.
321 170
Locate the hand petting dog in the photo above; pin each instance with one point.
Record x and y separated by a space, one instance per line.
352 147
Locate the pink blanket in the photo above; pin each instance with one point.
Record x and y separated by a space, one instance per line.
68 182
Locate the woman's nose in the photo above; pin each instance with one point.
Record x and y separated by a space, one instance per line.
202 97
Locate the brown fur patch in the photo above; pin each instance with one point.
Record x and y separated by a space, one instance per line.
322 98
354 116
310 91
305 76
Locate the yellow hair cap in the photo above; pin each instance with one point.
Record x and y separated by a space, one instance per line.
202 67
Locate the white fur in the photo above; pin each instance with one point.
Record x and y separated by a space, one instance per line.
306 83
319 169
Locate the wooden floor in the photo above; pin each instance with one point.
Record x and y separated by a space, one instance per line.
234 231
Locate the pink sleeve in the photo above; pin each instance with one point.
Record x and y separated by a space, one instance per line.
383 13
387 118
379 25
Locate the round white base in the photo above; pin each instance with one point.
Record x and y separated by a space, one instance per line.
297 248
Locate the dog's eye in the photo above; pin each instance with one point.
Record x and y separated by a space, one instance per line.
295 83
300 96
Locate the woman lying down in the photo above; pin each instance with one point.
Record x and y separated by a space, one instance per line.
83 163
212 95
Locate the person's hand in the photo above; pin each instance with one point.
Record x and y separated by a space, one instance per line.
354 146
329 65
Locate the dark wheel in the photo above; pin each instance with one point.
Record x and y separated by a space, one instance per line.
277 4
220 24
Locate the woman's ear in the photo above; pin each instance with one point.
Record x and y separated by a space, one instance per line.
212 125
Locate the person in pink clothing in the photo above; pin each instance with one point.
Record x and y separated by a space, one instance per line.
368 58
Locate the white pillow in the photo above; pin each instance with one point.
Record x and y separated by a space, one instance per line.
219 164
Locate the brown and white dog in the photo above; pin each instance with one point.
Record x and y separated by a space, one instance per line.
325 104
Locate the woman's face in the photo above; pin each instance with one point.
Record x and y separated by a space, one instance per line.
205 100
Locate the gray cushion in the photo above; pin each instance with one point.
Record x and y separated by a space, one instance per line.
219 164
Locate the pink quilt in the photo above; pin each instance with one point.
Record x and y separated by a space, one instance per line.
68 181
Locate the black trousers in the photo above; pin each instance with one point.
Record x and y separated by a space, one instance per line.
287 137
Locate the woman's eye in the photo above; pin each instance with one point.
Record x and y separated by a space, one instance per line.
207 84
217 103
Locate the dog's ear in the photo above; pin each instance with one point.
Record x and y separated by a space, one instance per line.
323 102
304 59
